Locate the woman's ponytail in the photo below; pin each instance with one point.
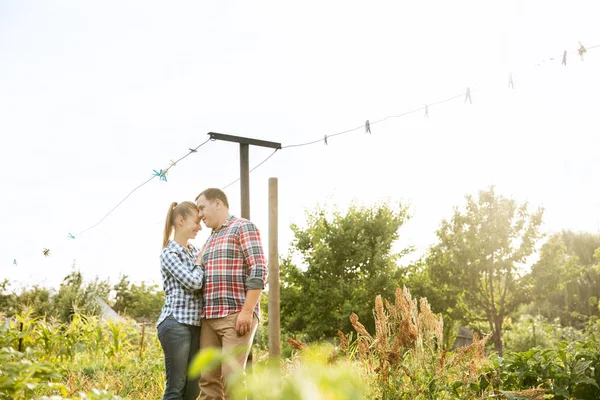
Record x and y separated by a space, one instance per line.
169 224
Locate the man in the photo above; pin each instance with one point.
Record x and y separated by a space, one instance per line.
235 275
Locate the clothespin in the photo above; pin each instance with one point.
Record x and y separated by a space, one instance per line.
581 50
367 127
46 252
161 174
426 111
564 60
325 139
193 150
468 96
172 163
15 261
71 236
510 81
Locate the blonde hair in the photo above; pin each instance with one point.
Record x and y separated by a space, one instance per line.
176 210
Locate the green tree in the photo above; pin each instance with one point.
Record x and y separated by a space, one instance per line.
36 298
566 278
142 302
75 296
478 254
347 260
8 299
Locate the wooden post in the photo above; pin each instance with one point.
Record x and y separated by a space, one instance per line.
245 200
245 180
274 310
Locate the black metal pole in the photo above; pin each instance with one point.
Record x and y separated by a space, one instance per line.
245 180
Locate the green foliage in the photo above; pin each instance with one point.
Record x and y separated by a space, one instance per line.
35 298
21 375
261 338
347 260
316 373
142 302
570 371
478 253
566 278
75 296
71 360
61 359
536 331
8 301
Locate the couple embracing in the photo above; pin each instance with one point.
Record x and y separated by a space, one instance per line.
212 295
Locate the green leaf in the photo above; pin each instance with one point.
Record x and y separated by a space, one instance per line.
205 361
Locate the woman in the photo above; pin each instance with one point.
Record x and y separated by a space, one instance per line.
179 323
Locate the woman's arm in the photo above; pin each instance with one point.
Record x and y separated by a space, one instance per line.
189 276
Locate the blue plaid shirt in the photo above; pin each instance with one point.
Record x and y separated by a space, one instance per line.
182 281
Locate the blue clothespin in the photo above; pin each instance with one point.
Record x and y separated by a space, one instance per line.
161 174
71 236
367 127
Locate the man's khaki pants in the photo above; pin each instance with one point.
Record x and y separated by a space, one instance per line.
220 333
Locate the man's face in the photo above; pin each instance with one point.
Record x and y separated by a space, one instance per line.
208 211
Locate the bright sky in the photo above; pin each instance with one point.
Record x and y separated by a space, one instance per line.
95 95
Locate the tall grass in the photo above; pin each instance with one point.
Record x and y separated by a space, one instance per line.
84 356
404 358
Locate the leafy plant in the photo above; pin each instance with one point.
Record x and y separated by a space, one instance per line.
21 375
570 371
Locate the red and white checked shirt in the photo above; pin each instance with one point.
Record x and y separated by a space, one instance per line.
234 262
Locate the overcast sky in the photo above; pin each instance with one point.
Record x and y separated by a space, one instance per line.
95 95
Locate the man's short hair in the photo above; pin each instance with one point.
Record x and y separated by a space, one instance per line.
212 194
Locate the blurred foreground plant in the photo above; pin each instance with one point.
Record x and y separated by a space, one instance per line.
315 373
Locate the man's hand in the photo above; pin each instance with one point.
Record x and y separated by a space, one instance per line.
243 324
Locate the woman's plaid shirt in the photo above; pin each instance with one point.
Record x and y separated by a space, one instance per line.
182 281
234 262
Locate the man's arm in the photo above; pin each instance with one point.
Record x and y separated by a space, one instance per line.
254 255
243 324
255 283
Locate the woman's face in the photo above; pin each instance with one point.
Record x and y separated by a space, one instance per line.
191 225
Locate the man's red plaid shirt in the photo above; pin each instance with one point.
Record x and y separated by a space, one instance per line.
234 262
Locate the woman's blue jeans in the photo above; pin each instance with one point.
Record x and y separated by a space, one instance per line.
180 343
